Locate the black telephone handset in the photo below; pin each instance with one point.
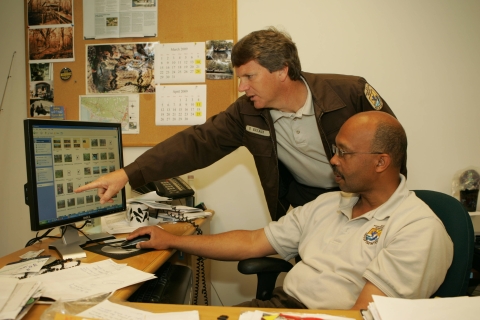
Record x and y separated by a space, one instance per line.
174 188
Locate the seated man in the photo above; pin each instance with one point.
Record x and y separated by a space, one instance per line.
374 237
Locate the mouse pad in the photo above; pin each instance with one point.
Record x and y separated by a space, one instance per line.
113 252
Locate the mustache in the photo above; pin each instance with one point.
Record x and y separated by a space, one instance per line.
336 172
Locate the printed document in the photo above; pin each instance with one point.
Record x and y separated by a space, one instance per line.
89 279
386 308
119 18
112 311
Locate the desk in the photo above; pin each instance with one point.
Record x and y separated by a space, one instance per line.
206 312
150 262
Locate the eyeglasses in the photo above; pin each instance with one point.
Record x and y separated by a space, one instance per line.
341 153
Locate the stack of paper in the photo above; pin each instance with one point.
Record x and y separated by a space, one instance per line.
88 279
154 201
385 308
117 223
16 297
150 196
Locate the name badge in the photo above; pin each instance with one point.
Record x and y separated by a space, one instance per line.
261 132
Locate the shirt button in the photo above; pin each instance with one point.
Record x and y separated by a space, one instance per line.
298 131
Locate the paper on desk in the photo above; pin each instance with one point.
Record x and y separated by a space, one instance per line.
151 199
258 315
89 279
116 223
112 311
8 286
465 308
22 267
190 215
151 196
164 206
31 254
17 298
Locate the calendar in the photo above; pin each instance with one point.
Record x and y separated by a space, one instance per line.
180 62
180 104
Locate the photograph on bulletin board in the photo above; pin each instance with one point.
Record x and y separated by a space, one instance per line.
42 12
50 31
41 71
41 98
218 54
120 68
53 44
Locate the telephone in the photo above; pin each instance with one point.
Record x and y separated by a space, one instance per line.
174 188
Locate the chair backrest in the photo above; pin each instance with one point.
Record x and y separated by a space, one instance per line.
459 226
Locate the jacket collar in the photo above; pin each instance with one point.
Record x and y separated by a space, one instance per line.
325 99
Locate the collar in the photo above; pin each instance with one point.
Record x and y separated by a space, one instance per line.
325 99
348 200
306 109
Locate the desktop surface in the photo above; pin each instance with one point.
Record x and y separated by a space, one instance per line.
150 262
207 312
147 262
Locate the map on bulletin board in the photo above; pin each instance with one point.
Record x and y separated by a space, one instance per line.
123 109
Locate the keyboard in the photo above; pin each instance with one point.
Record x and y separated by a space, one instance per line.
173 285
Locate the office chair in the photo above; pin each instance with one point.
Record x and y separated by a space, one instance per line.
459 226
451 212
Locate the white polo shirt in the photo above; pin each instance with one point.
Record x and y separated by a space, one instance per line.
401 247
300 146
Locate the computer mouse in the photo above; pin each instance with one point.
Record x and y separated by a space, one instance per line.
130 244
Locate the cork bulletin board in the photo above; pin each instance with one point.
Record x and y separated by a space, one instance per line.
178 21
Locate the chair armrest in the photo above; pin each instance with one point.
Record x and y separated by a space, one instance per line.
263 265
267 270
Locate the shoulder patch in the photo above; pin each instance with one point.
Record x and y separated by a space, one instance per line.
372 236
373 97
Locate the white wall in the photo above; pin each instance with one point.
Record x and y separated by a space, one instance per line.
421 56
14 217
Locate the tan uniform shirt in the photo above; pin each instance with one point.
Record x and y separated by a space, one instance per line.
401 247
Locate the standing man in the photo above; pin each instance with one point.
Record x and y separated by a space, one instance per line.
287 119
374 238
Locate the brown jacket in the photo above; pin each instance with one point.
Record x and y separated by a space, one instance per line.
335 98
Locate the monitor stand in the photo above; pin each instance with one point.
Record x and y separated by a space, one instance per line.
71 243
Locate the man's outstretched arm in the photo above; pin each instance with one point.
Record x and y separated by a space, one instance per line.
233 245
107 185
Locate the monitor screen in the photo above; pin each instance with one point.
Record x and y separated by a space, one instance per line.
62 156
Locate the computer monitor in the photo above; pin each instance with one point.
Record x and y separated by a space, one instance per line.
60 157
